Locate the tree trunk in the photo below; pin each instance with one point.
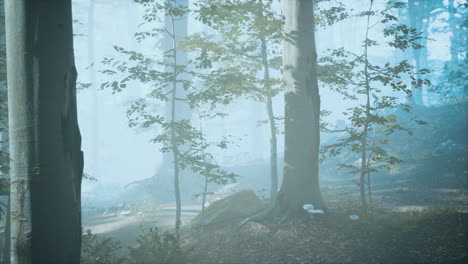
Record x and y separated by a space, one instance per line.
6 237
175 149
205 190
182 109
45 141
271 121
4 148
415 18
364 136
300 183
362 173
369 188
206 171
453 28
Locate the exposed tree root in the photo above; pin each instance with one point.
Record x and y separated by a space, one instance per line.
274 211
285 218
280 212
269 212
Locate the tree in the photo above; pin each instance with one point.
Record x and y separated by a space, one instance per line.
165 77
4 159
47 162
451 86
302 109
201 162
180 25
419 17
300 183
243 45
363 81
4 148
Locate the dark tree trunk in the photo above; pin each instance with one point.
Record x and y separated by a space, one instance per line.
6 240
45 141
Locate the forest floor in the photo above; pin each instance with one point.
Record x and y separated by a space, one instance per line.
409 226
429 236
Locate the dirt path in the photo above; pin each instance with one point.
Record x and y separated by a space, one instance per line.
126 228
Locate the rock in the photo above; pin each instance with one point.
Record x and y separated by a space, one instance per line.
230 209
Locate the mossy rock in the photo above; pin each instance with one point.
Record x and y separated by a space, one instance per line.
230 209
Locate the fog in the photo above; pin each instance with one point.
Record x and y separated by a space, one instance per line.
117 155
233 131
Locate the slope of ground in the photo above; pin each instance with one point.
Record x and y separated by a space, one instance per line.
427 237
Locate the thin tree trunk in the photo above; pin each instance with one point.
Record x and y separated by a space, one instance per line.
175 151
300 183
369 184
369 189
205 187
362 174
453 29
45 141
205 190
271 121
180 25
415 19
364 145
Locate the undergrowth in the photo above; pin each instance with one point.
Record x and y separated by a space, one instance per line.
152 247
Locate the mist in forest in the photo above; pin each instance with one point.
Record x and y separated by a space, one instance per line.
234 131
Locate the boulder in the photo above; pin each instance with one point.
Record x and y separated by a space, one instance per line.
230 209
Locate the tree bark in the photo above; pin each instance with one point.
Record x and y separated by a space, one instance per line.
4 148
6 237
45 142
300 183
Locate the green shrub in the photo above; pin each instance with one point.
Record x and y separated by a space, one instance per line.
156 248
101 251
